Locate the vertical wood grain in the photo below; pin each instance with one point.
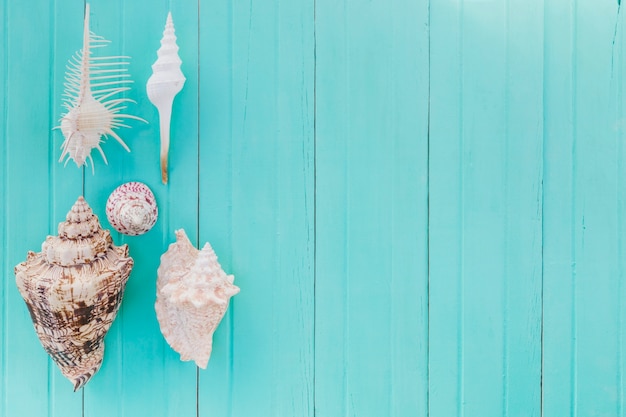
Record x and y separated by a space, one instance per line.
371 337
138 352
4 268
421 202
485 209
559 263
595 214
215 176
446 220
256 153
582 295
256 204
524 218
619 59
64 182
26 188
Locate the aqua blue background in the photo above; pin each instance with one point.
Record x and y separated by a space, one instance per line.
422 201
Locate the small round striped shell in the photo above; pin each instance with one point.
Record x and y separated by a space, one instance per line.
132 209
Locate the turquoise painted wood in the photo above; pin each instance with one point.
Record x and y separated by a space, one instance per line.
421 201
371 208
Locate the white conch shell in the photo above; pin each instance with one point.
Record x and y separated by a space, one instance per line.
92 112
132 209
165 82
192 296
73 289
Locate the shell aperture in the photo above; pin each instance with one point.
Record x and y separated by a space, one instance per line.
73 289
193 292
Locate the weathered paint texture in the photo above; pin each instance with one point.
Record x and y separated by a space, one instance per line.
422 202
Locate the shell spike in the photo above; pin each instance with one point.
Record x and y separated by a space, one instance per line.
166 81
193 293
73 289
91 111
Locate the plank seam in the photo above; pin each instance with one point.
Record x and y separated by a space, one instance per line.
3 238
198 115
314 205
428 125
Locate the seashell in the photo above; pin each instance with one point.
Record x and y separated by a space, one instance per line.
192 296
132 209
73 289
165 82
93 112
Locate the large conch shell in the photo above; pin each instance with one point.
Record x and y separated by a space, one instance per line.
192 296
165 82
91 97
131 209
73 289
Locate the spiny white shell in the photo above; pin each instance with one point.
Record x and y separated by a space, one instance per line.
164 84
192 296
73 289
92 89
132 209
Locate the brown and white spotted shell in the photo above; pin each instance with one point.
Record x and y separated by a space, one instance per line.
73 289
193 292
132 209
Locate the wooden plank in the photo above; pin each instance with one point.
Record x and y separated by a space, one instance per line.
558 234
523 227
619 115
446 219
331 213
27 111
408 124
4 267
372 95
137 352
594 216
485 205
66 182
262 227
106 20
216 176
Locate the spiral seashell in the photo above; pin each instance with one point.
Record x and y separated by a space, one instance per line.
132 209
192 297
163 85
92 89
73 289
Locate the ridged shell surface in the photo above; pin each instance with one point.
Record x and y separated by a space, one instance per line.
93 100
131 209
164 84
73 289
193 292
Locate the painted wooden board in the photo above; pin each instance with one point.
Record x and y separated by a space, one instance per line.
371 208
4 283
485 209
137 350
257 203
26 188
421 201
583 204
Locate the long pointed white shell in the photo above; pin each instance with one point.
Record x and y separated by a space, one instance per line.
73 289
164 84
92 89
193 292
